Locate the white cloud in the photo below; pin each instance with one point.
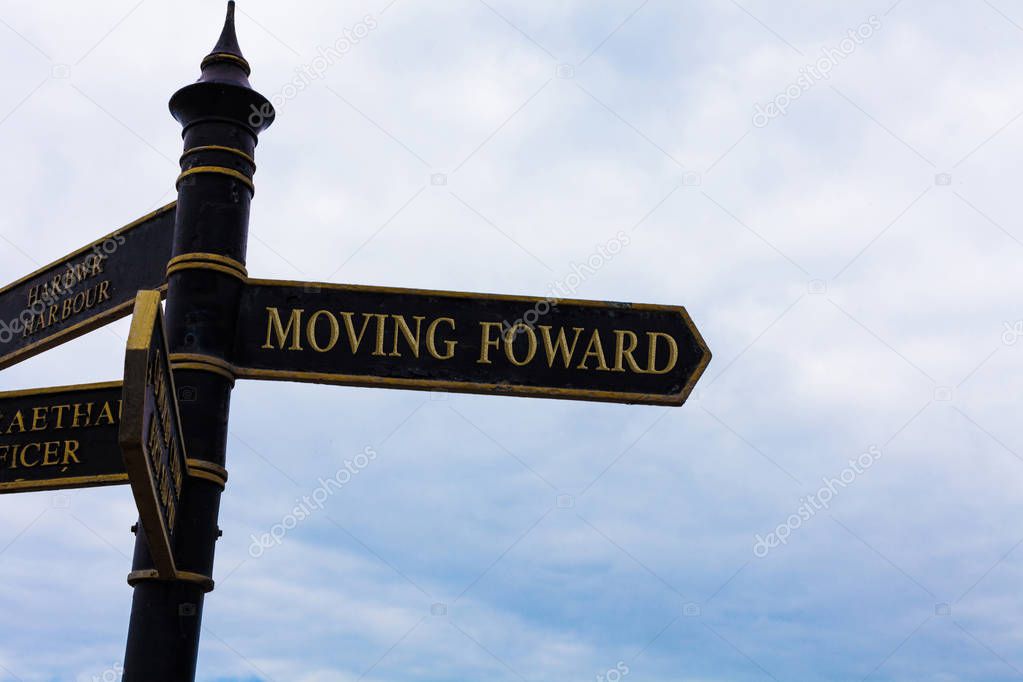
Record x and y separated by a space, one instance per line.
453 498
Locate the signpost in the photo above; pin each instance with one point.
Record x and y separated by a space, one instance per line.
85 290
221 326
56 438
469 343
151 437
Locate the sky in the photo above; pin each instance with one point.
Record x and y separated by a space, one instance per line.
827 187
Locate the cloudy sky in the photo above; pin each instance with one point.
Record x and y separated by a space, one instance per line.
839 215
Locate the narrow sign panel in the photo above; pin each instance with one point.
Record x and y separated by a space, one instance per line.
151 439
91 287
474 343
56 438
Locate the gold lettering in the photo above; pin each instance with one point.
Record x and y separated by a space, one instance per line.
273 324
17 422
71 452
13 455
623 353
381 319
595 349
175 465
353 340
335 331
165 422
38 418
652 357
24 452
413 341
106 415
560 346
50 453
77 414
33 296
61 409
431 340
487 343
509 343
152 438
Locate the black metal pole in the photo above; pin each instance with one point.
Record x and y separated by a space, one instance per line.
222 117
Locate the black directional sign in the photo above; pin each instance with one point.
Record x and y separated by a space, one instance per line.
65 437
151 440
227 326
91 287
472 343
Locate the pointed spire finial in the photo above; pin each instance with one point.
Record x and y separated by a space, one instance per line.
223 91
226 60
228 42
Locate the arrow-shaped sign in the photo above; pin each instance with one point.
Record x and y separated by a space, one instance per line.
151 437
471 343
85 290
53 438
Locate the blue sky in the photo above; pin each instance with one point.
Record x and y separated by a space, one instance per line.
855 265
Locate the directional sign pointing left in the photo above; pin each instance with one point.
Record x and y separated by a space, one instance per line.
85 290
53 438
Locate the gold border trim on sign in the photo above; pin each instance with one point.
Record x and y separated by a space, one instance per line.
64 483
219 148
233 372
674 399
208 261
72 388
217 170
146 336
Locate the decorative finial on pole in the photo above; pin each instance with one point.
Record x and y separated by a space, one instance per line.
228 39
227 52
223 89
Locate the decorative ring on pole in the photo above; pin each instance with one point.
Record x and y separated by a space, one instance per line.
217 170
208 261
227 57
203 363
200 468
